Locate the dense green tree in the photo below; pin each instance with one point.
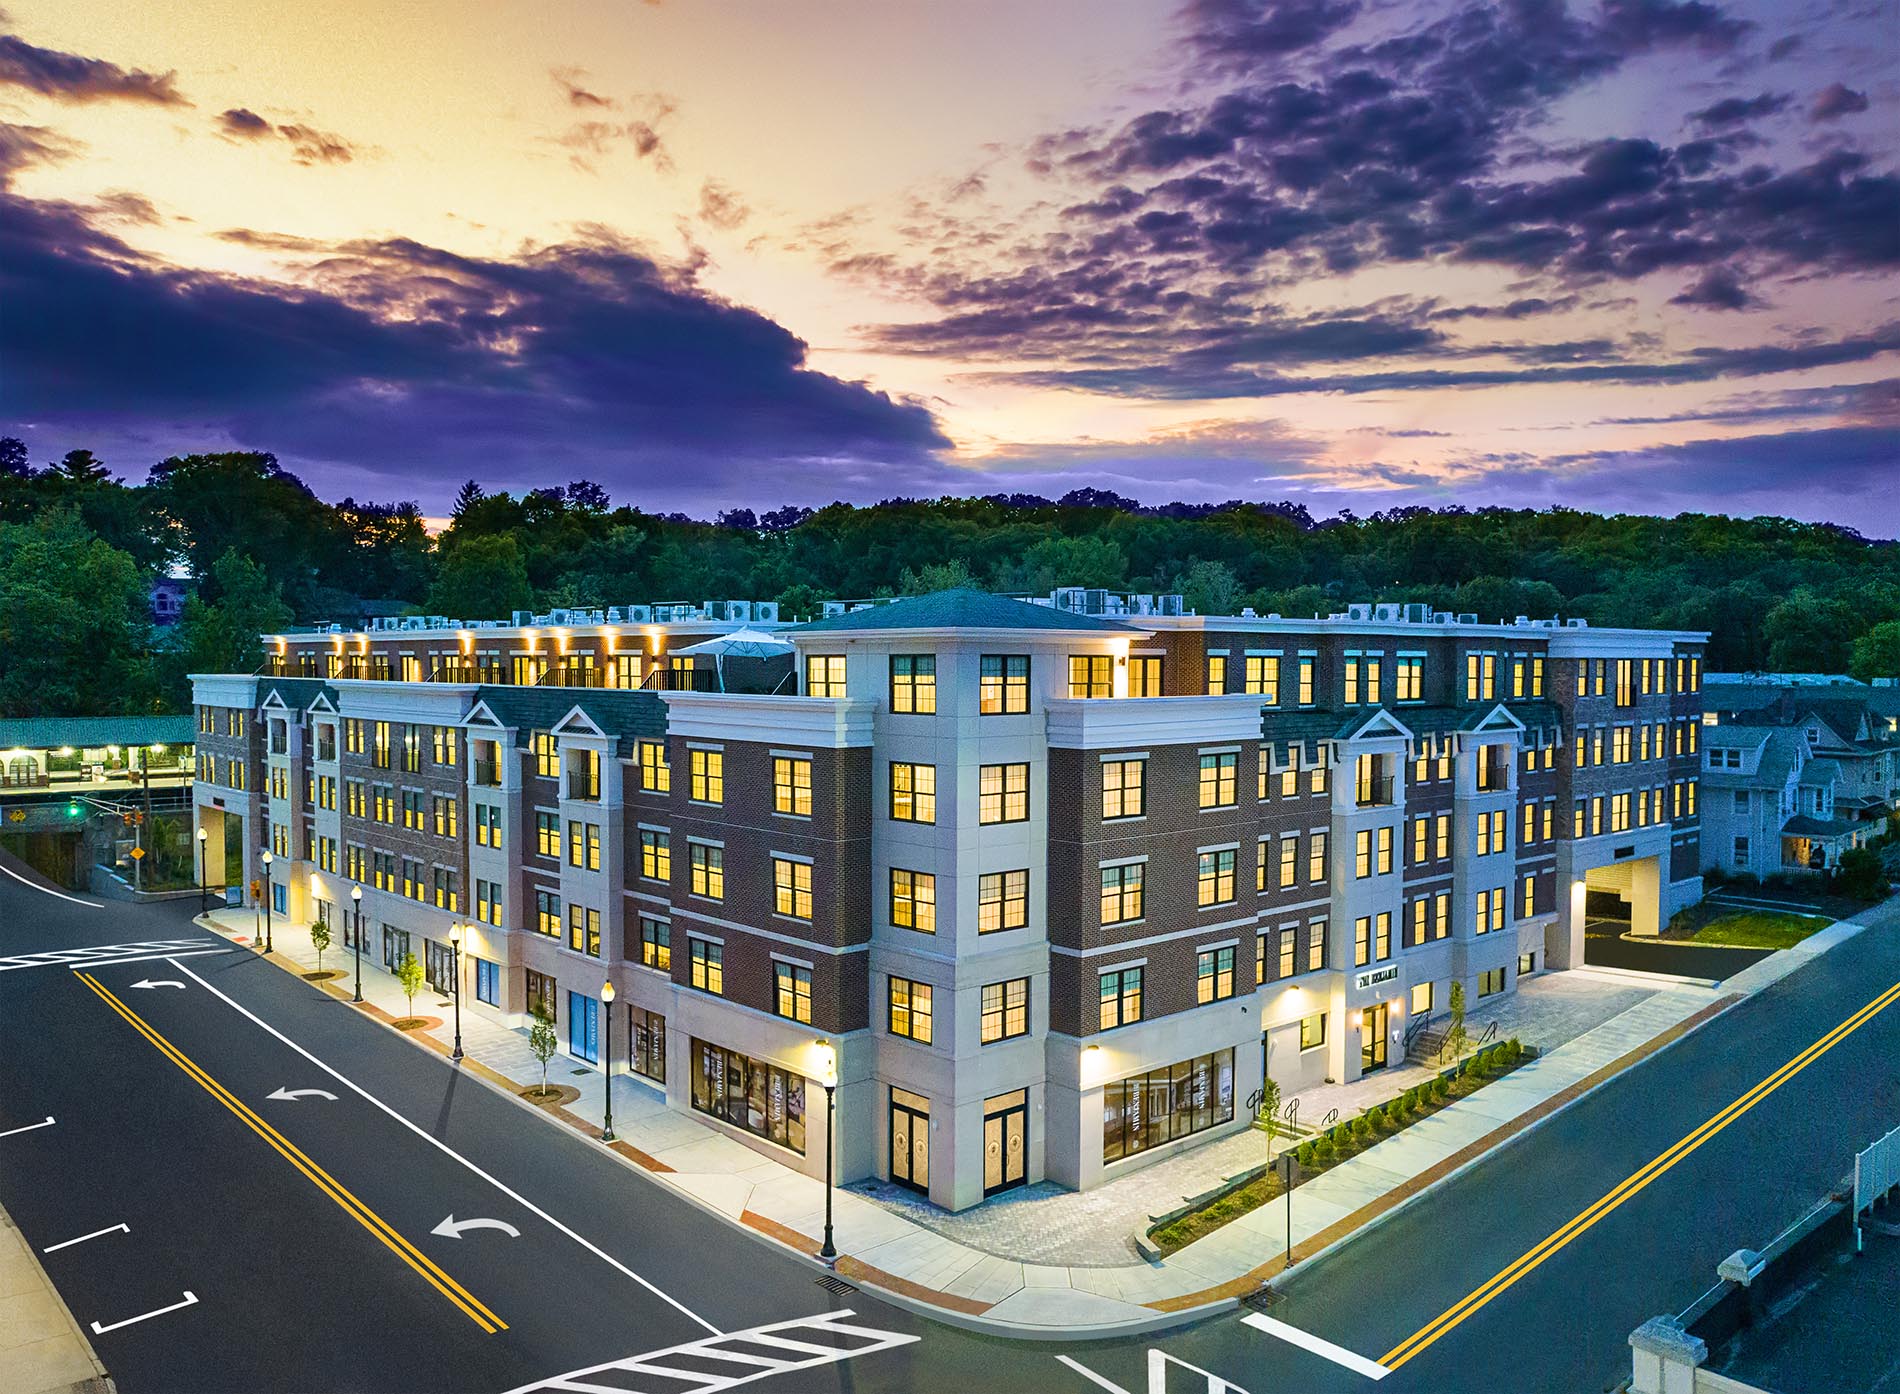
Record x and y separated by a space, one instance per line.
220 628
1210 588
81 467
1811 633
74 630
481 578
1877 652
13 460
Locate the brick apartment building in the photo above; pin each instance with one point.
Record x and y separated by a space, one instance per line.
1055 883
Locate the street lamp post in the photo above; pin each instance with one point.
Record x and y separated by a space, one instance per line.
269 891
828 1058
607 1059
356 904
204 891
455 940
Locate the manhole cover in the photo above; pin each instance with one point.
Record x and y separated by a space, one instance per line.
836 1286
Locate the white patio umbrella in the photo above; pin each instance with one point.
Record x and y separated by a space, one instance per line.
740 643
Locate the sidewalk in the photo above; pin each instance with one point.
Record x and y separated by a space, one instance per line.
942 1267
42 1350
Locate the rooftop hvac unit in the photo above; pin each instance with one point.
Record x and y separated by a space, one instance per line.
765 611
1141 604
1576 624
520 618
1467 619
1094 602
1074 599
1388 614
740 610
639 614
1416 613
835 607
1522 619
1358 612
1246 613
1169 605
615 615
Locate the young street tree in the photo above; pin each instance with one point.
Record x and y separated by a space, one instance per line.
320 939
409 978
1456 1037
542 1042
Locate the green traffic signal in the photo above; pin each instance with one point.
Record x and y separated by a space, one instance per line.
72 809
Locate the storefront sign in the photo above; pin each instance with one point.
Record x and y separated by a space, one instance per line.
1374 976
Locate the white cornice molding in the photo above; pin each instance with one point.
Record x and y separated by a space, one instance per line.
1102 723
831 722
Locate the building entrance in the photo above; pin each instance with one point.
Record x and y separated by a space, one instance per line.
1005 1141
910 1139
1372 1038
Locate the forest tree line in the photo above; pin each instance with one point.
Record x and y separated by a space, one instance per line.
80 547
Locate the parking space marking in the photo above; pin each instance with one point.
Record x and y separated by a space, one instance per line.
191 1300
448 1151
68 1243
329 1185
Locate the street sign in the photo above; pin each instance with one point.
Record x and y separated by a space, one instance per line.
136 853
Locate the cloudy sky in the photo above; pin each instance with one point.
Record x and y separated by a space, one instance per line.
1639 255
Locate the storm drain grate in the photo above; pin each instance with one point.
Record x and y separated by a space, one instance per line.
1260 1299
580 1072
836 1286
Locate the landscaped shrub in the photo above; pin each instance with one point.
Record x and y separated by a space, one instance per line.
1322 1151
1376 1118
1362 1129
1441 1089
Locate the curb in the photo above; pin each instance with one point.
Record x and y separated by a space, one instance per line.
99 1382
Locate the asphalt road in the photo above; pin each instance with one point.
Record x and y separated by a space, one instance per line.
1604 944
304 1227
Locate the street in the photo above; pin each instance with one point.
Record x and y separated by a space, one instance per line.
346 1212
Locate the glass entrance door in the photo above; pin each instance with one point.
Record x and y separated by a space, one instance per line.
1372 1039
1005 1141
910 1139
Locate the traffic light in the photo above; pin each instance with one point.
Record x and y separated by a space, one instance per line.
72 809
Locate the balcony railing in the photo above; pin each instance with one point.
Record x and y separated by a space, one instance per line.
580 786
1375 792
487 774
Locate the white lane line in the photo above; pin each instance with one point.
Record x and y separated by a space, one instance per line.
190 1301
444 1148
89 904
29 1127
68 1243
1306 1340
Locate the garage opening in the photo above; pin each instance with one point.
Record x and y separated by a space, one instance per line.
1622 898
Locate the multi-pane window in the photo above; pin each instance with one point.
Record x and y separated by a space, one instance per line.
1362 854
547 834
1384 863
1003 685
1408 679
1091 675
1263 677
1216 674
1289 859
1218 788
583 845
1530 897
1215 880
791 888
656 775
1490 910
1305 692
1002 901
443 813
910 1009
913 792
1214 974
487 901
1289 949
1121 893
379 749
1316 946
914 683
708 769
791 785
792 996
1362 941
547 754
824 675
656 855
1123 787
1003 1010
1144 675
656 943
1316 856
708 870
1002 794
547 914
1382 935
708 964
1120 993
583 930
1421 846
412 810
914 900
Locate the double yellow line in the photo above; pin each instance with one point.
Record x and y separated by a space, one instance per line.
323 1181
1477 1298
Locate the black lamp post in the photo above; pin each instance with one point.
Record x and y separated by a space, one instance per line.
204 892
269 892
828 1059
607 1059
455 941
356 904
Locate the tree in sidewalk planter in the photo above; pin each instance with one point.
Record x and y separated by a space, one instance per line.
1456 1037
409 979
1270 1109
320 939
542 1043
